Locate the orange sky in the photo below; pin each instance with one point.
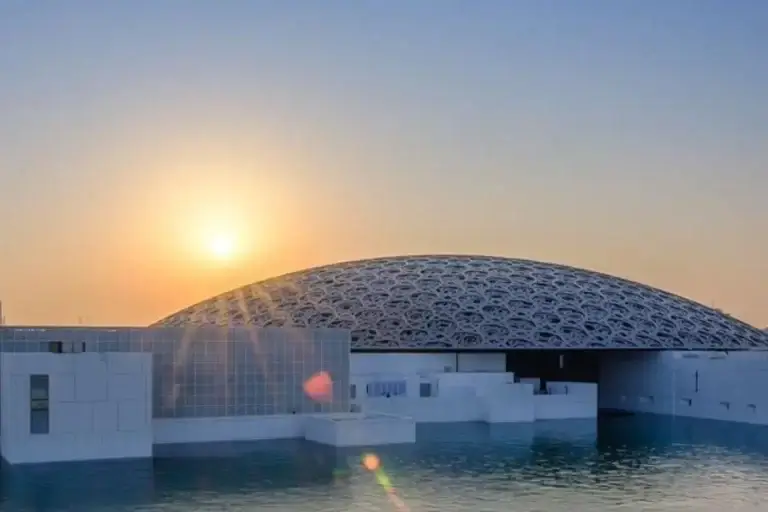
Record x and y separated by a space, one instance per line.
130 137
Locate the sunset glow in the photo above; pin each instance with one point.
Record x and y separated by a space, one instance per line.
165 169
222 246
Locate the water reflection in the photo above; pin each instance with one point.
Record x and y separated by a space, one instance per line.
76 486
636 462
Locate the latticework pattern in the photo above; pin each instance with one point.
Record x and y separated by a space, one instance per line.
474 302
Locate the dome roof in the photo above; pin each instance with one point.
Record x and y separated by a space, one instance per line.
474 303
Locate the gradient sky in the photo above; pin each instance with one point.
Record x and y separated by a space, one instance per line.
627 137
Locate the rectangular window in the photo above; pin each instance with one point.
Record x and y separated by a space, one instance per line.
353 391
39 417
425 389
386 389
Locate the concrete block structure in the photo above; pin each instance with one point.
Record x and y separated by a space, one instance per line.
727 386
360 429
60 407
93 393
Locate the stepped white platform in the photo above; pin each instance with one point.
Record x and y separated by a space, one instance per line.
360 429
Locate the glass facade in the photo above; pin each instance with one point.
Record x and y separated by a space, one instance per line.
213 371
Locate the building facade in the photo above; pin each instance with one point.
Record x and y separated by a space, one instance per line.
213 372
73 386
428 338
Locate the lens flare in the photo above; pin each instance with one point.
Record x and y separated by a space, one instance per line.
372 463
319 387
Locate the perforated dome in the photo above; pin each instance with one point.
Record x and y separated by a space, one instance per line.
474 303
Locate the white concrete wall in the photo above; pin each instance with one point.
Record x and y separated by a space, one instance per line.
368 363
100 406
359 429
731 387
535 382
322 430
480 391
412 383
456 397
417 368
231 428
316 428
567 400
443 409
511 403
489 397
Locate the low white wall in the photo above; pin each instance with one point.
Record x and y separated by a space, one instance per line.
371 430
504 403
466 407
443 384
234 428
457 397
100 406
322 430
360 381
481 396
567 400
583 391
413 370
536 383
696 384
360 430
511 404
556 407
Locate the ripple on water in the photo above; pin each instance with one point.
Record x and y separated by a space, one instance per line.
629 463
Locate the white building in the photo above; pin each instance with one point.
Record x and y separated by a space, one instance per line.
85 393
418 320
406 340
432 326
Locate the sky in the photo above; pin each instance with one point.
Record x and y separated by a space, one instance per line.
625 137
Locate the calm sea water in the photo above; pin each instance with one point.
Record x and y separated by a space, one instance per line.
634 463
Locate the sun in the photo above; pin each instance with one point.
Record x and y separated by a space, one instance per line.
222 246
